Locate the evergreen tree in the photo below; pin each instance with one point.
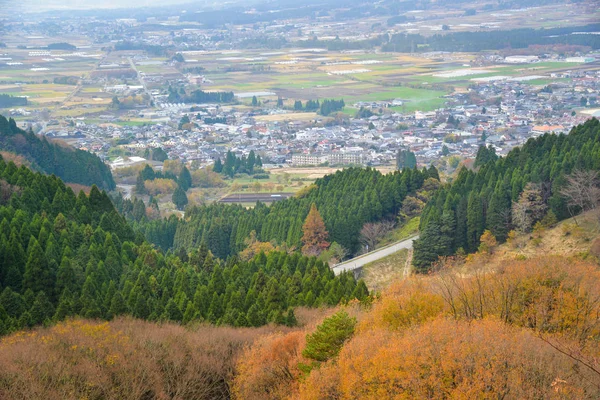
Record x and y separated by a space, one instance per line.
38 276
475 221
406 159
179 198
185 179
327 341
218 166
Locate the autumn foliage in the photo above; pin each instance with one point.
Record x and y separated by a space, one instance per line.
530 329
314 238
122 359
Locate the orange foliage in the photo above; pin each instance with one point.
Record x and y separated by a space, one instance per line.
549 294
449 359
405 304
528 330
254 247
269 369
122 359
314 238
15 158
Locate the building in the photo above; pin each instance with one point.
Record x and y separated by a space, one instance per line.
346 158
309 159
337 158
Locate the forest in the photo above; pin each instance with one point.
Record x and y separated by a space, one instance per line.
71 165
513 193
64 255
346 201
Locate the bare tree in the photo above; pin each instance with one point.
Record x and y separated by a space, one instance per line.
581 191
372 232
529 209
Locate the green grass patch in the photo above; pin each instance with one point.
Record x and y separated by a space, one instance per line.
400 92
410 228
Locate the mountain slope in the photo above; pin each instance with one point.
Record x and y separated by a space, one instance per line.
509 193
71 165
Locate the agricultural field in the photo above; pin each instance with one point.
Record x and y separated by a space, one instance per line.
77 84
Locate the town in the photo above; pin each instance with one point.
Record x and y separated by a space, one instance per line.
298 91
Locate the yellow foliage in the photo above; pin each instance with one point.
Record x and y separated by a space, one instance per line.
402 309
447 359
160 186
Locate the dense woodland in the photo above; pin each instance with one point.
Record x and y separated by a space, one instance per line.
346 200
508 193
71 165
63 255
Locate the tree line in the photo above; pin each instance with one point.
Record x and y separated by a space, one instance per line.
199 96
6 100
491 40
64 255
238 165
542 182
346 200
71 165
324 108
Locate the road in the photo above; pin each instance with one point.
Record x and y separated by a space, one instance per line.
141 79
127 190
364 259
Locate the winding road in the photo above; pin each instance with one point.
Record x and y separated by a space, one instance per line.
360 261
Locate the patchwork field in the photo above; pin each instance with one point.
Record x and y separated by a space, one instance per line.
421 82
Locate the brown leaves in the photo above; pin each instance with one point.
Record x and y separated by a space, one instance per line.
314 235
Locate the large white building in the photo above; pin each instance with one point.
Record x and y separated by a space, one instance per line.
337 158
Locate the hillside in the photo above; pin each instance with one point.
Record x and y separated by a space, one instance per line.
549 178
71 165
517 316
346 199
63 255
514 323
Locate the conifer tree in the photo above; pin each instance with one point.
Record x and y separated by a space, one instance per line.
315 235
37 275
218 166
327 341
179 198
185 179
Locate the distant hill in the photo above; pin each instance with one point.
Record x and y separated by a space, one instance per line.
71 165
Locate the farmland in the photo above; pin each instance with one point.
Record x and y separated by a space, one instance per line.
419 82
